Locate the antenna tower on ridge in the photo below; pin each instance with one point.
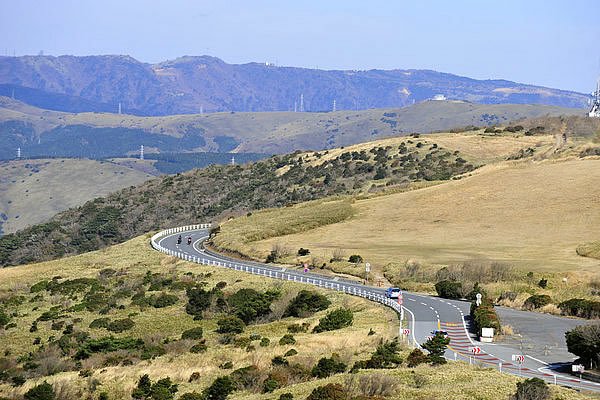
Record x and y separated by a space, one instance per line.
334 108
302 102
141 152
595 111
18 152
119 108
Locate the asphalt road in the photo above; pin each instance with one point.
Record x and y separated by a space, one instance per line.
541 340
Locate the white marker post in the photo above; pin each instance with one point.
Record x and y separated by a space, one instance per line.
367 270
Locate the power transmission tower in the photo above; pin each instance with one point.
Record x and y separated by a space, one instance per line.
295 106
302 102
119 108
334 108
18 152
232 160
201 110
141 152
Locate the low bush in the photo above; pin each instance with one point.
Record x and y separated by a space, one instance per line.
537 301
472 295
230 324
162 300
287 339
584 342
264 342
106 345
336 319
100 323
386 355
279 360
449 289
415 358
193 334
290 353
247 377
328 366
331 391
303 252
532 389
163 389
580 308
198 301
42 391
484 316
120 325
250 304
297 328
306 303
286 396
199 347
355 259
191 396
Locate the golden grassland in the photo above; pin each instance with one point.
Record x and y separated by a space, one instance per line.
32 191
531 215
270 223
455 380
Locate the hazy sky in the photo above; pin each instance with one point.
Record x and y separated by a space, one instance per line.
552 43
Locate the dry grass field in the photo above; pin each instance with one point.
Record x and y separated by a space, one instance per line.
32 191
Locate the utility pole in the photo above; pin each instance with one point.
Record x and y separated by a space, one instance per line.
295 106
18 153
232 160
302 102
119 108
141 152
334 108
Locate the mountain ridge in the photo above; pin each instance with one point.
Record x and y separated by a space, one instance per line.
190 84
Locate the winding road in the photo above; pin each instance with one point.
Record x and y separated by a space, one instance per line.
542 336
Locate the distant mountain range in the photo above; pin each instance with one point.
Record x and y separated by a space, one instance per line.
188 85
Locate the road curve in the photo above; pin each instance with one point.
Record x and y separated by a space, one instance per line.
423 313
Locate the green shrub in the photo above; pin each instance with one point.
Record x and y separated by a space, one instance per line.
193 334
286 396
448 289
472 295
270 385
108 344
38 287
230 324
306 303
279 360
436 346
4 318
355 259
249 304
580 308
303 252
191 396
290 353
328 366
100 323
543 283
484 316
336 319
287 339
584 342
386 355
415 358
43 391
219 389
331 391
120 325
537 301
532 389
162 300
264 342
163 389
199 347
198 301
247 377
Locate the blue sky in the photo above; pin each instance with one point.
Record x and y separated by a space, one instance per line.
551 43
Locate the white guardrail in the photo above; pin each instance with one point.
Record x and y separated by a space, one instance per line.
311 280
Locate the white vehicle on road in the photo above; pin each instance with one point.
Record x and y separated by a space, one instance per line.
392 293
